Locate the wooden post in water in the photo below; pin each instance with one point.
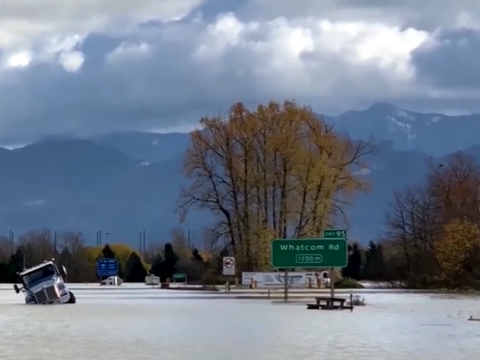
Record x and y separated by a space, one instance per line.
332 283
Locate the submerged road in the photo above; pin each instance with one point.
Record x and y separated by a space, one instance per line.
93 292
136 322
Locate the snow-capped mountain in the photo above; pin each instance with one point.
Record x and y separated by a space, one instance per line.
148 147
432 133
125 182
435 134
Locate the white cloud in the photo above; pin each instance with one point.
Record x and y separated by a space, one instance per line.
25 20
32 202
95 66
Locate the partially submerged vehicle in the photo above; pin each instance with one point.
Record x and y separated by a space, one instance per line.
111 281
43 284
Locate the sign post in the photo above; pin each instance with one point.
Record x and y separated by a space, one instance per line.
309 253
334 234
107 267
228 265
331 251
228 269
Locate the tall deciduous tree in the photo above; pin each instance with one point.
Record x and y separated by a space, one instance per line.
72 246
6 249
432 232
275 171
38 245
458 252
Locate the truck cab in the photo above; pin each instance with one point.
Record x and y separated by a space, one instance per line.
43 284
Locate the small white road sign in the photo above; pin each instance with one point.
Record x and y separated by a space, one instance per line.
228 265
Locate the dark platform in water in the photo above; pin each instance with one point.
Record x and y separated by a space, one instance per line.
329 303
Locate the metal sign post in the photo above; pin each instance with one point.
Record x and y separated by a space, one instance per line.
328 251
332 283
228 269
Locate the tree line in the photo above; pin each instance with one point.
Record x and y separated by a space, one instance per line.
70 250
367 263
280 171
432 236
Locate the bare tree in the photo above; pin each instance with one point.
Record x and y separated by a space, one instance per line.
73 242
6 249
423 223
37 245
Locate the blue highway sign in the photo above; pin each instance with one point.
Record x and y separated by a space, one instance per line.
107 267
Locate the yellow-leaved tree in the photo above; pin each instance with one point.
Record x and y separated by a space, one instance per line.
276 171
458 251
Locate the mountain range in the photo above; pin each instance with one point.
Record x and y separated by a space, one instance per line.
126 182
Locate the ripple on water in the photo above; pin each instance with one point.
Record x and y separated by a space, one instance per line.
393 326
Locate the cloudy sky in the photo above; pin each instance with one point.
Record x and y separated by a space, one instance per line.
90 66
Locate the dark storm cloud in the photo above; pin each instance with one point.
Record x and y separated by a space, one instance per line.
97 46
162 87
450 60
158 71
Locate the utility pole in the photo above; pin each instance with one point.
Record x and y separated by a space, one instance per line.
478 204
140 242
99 238
12 242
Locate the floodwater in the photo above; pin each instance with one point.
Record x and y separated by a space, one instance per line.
145 324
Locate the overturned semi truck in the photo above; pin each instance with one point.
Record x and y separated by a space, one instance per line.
44 284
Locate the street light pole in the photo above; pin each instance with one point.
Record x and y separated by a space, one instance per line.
12 242
478 209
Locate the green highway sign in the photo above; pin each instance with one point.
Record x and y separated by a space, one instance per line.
179 276
334 234
309 253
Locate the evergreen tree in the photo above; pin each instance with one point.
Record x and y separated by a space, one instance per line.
107 252
354 265
170 260
196 256
374 262
4 273
157 266
134 269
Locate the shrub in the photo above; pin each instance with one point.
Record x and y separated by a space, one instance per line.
347 283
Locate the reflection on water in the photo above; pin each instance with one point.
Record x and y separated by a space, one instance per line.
394 326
